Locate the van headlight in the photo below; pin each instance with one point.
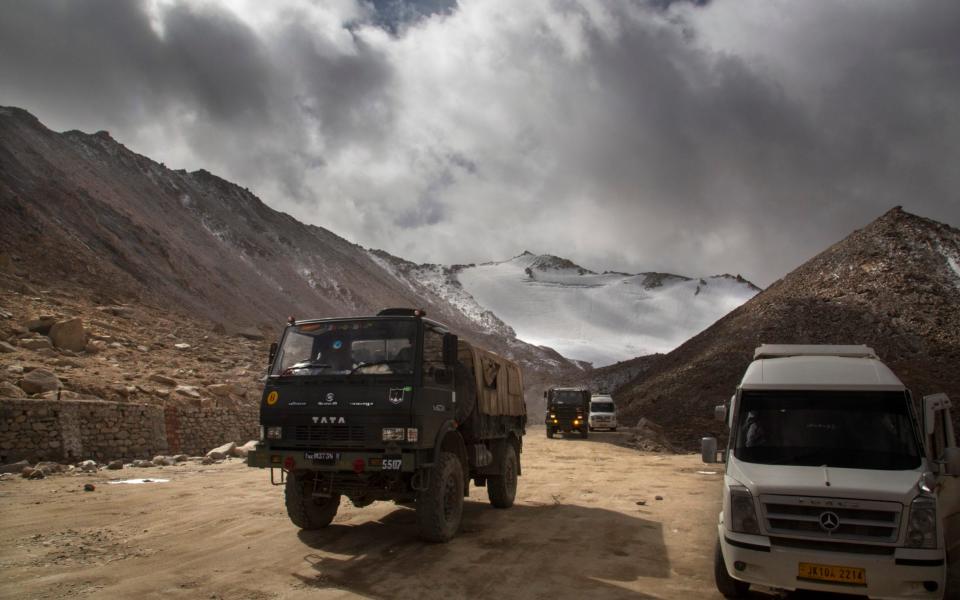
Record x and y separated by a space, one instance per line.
743 512
922 526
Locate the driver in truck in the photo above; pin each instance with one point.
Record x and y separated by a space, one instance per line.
833 483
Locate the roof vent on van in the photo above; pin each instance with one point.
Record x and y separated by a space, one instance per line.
402 312
783 350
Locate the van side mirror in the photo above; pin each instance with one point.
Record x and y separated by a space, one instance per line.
273 353
951 461
708 450
720 413
450 349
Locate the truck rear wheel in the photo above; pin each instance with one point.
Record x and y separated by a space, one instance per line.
726 585
502 488
305 510
440 505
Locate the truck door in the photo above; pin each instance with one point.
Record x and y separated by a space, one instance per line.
436 397
939 437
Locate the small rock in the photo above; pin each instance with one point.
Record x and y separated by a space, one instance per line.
208 460
163 461
42 343
41 325
143 349
117 311
163 379
8 390
187 390
182 346
49 467
224 450
140 463
88 466
180 458
219 389
69 334
38 381
89 487
16 467
115 465
32 473
95 346
658 498
213 456
7 348
641 502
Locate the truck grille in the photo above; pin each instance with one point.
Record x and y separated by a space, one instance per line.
334 435
831 518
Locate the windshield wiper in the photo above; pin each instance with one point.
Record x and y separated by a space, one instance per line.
374 363
307 364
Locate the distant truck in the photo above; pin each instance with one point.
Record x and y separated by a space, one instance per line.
832 481
389 407
603 413
567 410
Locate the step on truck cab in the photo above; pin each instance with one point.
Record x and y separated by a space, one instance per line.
388 407
567 410
832 482
603 413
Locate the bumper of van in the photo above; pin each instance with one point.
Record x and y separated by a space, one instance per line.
908 573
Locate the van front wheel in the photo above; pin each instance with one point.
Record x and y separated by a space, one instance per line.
726 585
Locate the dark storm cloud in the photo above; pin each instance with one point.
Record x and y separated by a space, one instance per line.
686 136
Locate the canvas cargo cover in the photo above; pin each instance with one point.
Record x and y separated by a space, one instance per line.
499 382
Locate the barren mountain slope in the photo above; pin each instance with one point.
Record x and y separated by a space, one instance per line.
83 208
894 285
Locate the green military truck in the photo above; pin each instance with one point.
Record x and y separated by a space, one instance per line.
389 407
567 411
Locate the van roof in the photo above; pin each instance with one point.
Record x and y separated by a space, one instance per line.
779 350
820 372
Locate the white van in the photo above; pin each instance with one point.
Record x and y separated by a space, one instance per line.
832 482
603 413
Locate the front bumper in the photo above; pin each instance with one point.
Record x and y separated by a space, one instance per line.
345 460
897 576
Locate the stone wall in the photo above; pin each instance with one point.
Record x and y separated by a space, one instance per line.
81 429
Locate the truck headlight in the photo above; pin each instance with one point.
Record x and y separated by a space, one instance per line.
922 526
274 433
743 513
394 434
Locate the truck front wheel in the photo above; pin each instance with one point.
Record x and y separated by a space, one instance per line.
502 488
305 510
549 432
583 432
726 585
440 505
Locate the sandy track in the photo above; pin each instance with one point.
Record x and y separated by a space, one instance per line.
577 531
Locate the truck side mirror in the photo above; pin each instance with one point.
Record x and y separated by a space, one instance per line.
708 450
720 413
273 353
951 461
449 349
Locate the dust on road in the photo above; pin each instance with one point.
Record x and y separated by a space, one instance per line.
586 524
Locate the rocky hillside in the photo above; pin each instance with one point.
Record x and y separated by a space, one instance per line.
83 212
893 285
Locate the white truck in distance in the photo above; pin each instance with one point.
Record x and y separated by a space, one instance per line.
832 482
603 413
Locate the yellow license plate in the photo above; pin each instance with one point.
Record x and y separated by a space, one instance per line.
833 574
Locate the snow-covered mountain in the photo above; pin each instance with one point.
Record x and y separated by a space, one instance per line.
600 318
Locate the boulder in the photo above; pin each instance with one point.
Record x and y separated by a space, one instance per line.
180 458
115 465
48 467
38 381
33 473
41 343
187 390
88 466
219 389
69 335
163 461
6 348
16 467
140 463
163 379
244 450
224 450
8 390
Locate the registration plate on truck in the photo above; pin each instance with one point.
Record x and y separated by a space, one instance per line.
833 574
323 458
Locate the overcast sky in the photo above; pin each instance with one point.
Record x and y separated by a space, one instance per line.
693 137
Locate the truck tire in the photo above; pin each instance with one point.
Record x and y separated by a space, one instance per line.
440 505
502 488
726 585
305 511
549 433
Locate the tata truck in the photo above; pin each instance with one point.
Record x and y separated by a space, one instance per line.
603 413
833 481
567 411
388 407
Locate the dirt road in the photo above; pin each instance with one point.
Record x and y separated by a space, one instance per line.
586 525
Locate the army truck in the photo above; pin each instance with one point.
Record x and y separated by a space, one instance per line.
389 407
833 482
567 411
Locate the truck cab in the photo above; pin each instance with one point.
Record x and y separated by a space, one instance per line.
388 407
603 413
567 411
833 483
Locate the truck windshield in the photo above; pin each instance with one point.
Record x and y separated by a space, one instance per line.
601 407
857 430
346 347
568 398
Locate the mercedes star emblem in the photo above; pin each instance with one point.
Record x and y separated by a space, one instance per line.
829 521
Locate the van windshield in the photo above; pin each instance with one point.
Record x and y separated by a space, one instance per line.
346 348
857 430
601 407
